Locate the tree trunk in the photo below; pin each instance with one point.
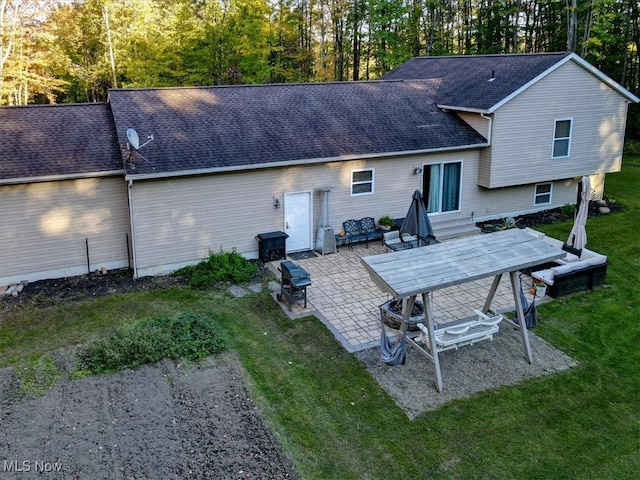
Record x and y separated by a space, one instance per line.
572 25
112 57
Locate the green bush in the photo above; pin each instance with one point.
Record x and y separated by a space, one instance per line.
219 267
632 147
568 210
187 335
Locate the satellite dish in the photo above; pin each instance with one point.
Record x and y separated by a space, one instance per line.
134 139
134 142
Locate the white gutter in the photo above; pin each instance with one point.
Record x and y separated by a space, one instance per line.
289 163
134 252
462 109
54 178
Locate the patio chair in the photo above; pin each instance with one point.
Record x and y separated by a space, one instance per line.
395 240
353 232
368 226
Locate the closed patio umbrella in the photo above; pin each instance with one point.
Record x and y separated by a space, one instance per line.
578 235
416 222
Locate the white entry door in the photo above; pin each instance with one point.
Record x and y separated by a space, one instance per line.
297 220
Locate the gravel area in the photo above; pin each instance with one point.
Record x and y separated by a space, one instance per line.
486 365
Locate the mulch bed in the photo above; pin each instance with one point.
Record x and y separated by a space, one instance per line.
553 215
46 293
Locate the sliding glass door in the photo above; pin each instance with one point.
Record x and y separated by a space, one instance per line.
441 184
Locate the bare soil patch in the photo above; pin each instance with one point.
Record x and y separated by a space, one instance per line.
193 421
169 420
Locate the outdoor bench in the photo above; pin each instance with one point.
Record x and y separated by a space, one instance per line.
463 333
579 270
361 230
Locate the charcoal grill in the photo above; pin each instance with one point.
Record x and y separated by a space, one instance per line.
294 283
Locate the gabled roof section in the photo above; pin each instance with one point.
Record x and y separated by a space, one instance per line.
477 82
53 142
210 129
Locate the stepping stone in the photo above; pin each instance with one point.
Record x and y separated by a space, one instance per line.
237 291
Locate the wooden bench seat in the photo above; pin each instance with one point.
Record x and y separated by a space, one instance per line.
463 333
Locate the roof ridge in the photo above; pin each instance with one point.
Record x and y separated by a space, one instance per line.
255 85
58 105
497 55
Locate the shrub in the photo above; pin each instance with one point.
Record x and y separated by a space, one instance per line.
508 222
632 147
568 210
385 221
187 335
219 267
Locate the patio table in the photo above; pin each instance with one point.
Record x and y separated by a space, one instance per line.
420 271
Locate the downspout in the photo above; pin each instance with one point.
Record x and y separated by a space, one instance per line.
490 127
133 229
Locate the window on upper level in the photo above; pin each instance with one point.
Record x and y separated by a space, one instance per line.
362 182
562 138
542 195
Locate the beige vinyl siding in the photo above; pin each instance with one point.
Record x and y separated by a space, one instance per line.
482 126
485 167
518 200
45 227
178 221
523 130
477 122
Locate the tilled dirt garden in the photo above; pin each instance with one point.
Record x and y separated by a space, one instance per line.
156 422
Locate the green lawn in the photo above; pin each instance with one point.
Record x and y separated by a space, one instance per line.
336 422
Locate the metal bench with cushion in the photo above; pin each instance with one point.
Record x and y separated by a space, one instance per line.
361 230
368 226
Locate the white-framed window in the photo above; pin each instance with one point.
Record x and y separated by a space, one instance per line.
442 186
562 138
362 181
543 193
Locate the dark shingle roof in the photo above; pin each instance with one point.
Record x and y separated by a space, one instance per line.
204 128
466 80
42 141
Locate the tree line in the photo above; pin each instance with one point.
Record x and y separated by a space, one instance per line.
54 51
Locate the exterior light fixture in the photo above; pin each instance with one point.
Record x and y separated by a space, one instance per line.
276 202
417 170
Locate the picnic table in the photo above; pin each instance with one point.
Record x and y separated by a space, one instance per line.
420 271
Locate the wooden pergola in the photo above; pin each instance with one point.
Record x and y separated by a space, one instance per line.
409 273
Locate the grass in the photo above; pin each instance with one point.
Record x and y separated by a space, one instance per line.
336 422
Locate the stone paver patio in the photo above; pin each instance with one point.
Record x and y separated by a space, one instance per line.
346 300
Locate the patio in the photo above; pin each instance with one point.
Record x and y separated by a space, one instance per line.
346 300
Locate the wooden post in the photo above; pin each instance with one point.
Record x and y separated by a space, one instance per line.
428 316
524 333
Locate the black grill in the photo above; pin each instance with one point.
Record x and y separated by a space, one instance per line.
294 283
